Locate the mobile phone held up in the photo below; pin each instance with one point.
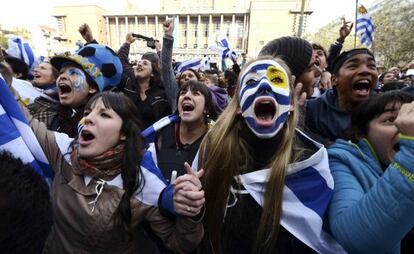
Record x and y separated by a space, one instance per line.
150 41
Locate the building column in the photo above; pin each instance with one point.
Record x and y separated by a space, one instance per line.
210 25
146 25
143 44
126 25
199 32
136 31
177 28
233 32
221 22
117 32
188 30
156 27
247 33
108 32
244 33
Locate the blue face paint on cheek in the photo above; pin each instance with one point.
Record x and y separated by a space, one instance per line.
265 97
78 79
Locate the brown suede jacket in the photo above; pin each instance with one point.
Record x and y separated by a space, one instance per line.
78 229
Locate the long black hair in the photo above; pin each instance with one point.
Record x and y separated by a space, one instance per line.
134 147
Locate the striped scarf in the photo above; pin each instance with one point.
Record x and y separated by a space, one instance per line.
105 166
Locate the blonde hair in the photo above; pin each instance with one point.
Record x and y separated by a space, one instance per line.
222 152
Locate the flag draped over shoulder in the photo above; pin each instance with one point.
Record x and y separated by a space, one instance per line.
17 137
365 26
306 195
149 166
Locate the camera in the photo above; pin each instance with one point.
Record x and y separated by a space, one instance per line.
150 41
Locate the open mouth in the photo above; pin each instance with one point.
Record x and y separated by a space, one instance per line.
64 89
265 112
187 107
396 147
86 137
362 87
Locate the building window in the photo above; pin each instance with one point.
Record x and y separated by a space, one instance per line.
61 25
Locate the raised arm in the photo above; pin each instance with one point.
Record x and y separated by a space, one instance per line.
167 73
123 54
336 47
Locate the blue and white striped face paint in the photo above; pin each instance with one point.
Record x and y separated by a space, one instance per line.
265 97
77 77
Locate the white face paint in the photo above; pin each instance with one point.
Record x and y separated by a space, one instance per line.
73 87
78 78
265 97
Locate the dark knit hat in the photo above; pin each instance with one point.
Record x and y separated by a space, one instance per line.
295 51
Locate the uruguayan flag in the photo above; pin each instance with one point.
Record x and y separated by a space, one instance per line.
22 50
195 64
220 43
149 166
365 26
17 137
306 195
149 133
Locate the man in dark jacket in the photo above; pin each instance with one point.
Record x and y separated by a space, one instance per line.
354 75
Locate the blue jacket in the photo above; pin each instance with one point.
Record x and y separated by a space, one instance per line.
371 210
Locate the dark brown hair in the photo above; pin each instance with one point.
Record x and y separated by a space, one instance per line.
375 106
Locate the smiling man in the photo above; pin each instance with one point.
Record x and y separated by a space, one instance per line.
354 77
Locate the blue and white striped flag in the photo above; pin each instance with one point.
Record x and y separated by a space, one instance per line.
17 137
195 64
220 43
149 166
150 133
22 50
365 26
306 195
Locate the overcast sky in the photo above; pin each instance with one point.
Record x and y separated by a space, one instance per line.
29 13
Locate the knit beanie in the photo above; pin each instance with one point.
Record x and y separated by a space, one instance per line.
295 51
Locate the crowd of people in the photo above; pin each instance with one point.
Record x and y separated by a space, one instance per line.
298 150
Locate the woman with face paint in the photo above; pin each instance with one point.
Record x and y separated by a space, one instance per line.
267 185
99 193
371 209
92 69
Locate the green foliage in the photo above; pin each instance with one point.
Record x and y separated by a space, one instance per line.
393 37
393 40
22 32
328 35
